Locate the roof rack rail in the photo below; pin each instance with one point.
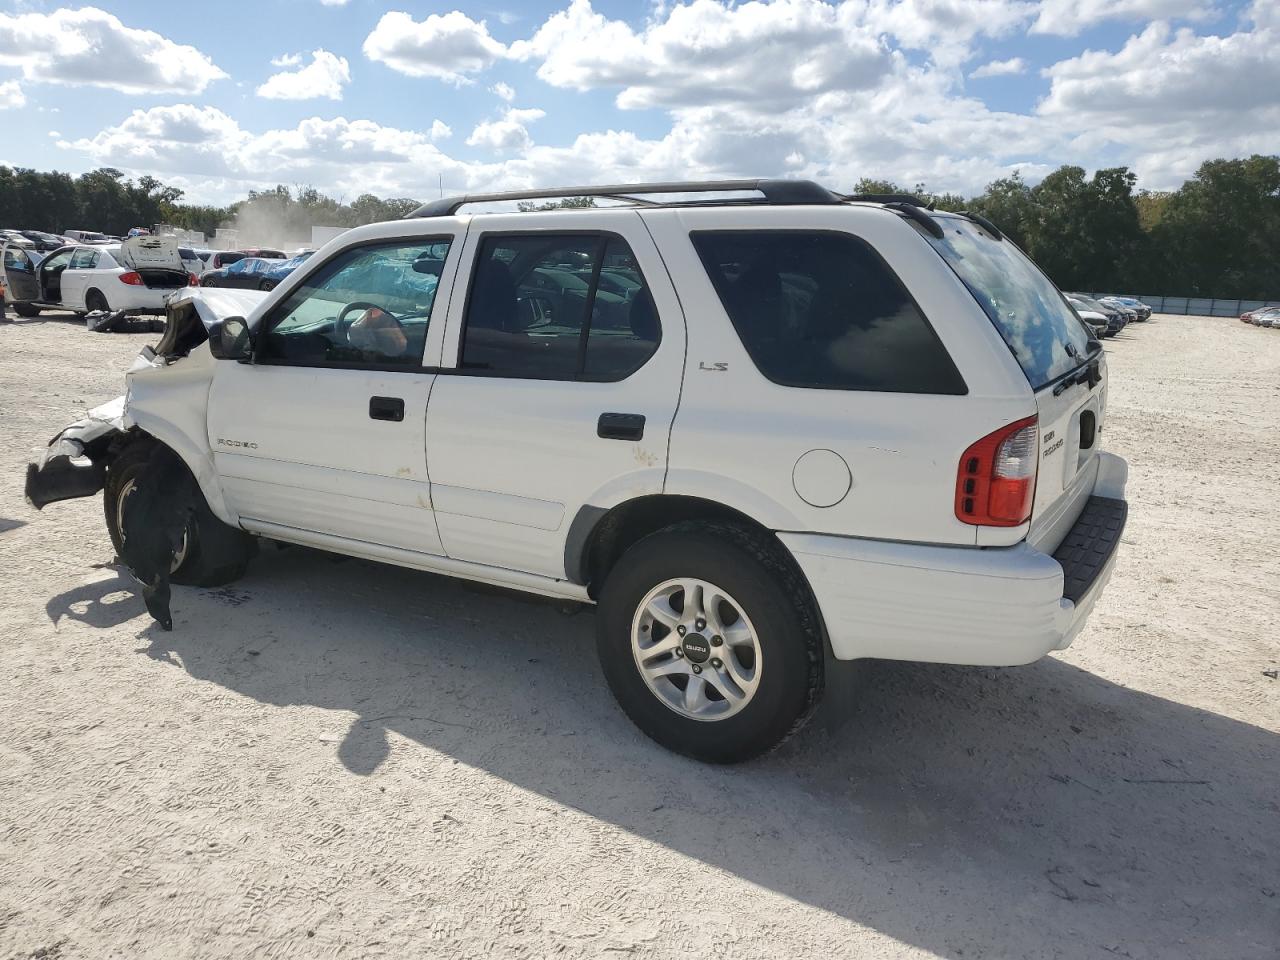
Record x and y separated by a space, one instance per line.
772 192
984 223
907 198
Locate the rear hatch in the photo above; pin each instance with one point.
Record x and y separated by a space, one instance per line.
157 259
1063 363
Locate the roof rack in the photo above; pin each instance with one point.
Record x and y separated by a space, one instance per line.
908 198
771 191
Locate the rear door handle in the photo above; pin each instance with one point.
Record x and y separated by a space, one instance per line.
620 426
386 408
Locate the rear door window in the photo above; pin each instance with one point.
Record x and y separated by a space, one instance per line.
83 260
1043 332
823 310
558 307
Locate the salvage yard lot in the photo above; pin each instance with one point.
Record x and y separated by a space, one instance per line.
341 759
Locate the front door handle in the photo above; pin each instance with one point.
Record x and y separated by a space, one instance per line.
386 408
620 426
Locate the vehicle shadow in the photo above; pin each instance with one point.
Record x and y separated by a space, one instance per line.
1038 811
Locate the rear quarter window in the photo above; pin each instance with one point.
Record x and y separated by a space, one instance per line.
822 310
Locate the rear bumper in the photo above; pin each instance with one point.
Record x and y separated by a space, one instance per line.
995 606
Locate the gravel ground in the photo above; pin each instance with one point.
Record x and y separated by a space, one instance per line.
339 759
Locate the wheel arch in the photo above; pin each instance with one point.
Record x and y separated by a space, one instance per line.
198 461
90 291
598 536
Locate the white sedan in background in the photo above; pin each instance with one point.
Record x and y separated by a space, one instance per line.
135 277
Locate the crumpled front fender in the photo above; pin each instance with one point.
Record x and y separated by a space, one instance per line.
74 462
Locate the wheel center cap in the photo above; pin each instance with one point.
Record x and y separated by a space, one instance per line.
696 648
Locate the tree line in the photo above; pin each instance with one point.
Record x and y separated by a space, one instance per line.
1218 235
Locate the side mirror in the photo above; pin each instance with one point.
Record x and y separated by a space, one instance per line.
229 339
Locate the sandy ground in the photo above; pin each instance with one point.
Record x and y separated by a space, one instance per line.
337 759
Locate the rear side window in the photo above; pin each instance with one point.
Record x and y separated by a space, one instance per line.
83 260
1046 337
558 307
820 309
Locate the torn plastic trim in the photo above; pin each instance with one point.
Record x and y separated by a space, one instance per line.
74 464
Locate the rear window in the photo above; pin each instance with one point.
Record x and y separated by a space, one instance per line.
1042 331
823 310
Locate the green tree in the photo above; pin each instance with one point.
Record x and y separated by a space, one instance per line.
1221 229
1008 204
1084 233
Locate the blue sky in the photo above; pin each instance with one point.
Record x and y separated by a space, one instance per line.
395 97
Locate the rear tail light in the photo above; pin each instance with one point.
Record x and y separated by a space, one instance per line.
996 482
193 280
132 278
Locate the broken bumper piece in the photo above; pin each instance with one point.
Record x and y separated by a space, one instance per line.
63 477
73 464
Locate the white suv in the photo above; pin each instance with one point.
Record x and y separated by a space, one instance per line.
757 432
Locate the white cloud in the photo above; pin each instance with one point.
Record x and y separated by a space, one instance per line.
324 76
766 56
287 60
798 88
334 3
1070 17
11 95
90 46
945 29
446 47
1162 86
1000 68
505 135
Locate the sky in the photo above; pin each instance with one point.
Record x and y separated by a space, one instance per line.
408 99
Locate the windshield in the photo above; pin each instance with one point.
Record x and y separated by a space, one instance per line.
1042 331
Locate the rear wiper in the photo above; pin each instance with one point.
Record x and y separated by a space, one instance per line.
1089 371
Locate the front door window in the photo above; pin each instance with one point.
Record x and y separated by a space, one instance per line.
367 307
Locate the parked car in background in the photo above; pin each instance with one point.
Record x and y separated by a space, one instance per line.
247 273
277 270
44 242
87 236
16 239
1097 321
133 278
224 258
266 253
1250 316
1142 311
1130 314
1115 317
1267 318
191 260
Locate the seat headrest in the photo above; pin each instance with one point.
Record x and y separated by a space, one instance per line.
494 304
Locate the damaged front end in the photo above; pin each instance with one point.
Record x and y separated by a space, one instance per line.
74 464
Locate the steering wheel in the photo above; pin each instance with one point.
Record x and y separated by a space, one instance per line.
342 326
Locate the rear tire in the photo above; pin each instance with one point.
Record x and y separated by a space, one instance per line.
96 302
211 554
770 626
26 310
